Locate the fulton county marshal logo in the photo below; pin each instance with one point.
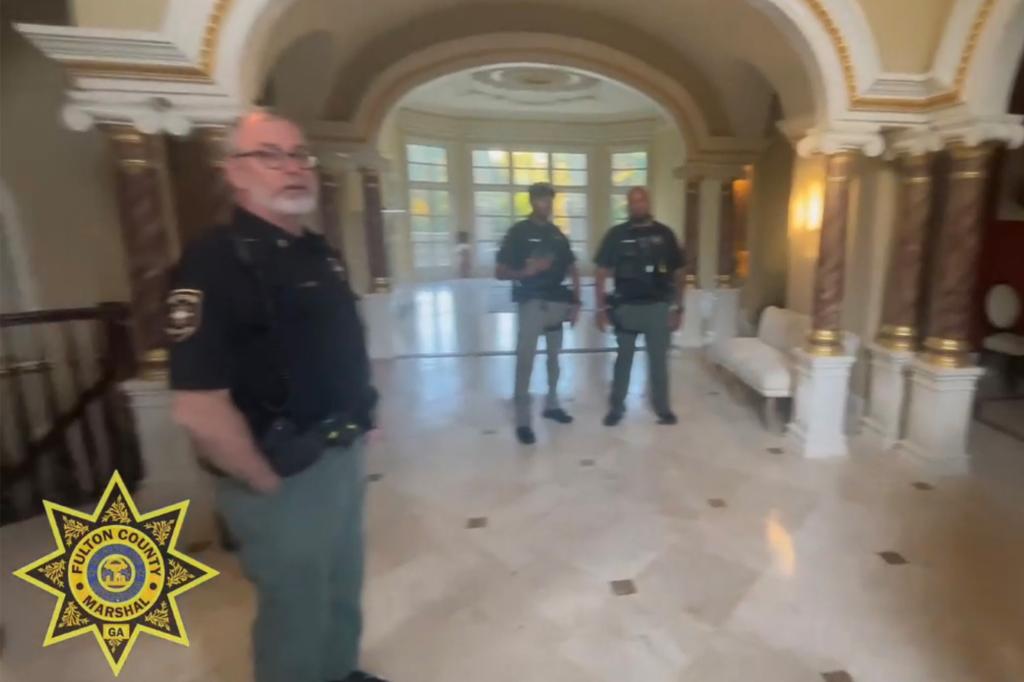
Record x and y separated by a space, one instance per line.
116 573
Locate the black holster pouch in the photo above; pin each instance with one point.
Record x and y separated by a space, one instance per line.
290 451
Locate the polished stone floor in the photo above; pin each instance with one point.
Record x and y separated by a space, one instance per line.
704 552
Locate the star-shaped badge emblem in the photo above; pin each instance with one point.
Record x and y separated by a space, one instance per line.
116 573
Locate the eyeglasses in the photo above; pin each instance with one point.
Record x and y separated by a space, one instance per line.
275 159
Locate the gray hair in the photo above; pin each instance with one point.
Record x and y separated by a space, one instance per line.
230 142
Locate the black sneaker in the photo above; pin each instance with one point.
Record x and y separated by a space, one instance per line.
559 415
668 418
525 435
613 418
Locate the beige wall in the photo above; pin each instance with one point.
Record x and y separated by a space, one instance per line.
143 15
61 183
767 229
908 32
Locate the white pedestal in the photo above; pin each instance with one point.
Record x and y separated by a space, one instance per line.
822 388
887 398
170 470
692 333
941 402
379 317
725 314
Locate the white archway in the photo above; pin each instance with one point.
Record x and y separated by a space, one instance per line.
838 64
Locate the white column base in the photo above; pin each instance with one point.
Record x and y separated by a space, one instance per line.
884 419
692 333
171 472
379 317
818 428
725 314
939 417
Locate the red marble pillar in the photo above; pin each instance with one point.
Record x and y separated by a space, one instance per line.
955 266
149 244
202 195
826 334
691 233
373 223
906 262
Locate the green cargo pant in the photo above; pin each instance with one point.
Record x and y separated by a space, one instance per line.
303 549
651 320
538 317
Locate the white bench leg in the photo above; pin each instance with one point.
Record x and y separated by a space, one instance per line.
770 415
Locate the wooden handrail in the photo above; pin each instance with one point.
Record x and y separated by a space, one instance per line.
104 311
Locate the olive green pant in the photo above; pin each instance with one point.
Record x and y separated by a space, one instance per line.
538 317
303 549
651 320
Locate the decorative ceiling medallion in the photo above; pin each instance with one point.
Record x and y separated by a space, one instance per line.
541 79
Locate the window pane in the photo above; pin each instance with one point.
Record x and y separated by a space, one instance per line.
569 178
575 228
569 161
419 202
490 158
440 229
421 254
492 227
528 176
419 153
419 172
490 176
629 178
492 204
629 160
522 205
439 202
571 204
420 227
619 211
530 159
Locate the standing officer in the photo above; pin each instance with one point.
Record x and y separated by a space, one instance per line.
647 264
536 256
272 381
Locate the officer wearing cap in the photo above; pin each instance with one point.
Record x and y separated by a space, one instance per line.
536 256
646 262
271 380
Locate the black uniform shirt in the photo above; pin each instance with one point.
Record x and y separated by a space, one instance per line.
643 259
276 323
529 239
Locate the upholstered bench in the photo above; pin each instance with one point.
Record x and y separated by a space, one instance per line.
764 362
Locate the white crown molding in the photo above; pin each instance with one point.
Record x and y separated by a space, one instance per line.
70 45
865 139
956 125
146 112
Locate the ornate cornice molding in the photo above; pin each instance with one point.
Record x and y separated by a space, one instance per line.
866 140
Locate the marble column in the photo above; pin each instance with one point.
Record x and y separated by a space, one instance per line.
893 350
378 305
330 220
951 286
943 381
170 471
822 368
373 223
149 243
826 335
691 243
692 333
203 197
726 236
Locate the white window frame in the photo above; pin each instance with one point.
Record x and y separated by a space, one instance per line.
622 191
439 267
579 243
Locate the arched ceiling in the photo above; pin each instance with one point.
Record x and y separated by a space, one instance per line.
729 57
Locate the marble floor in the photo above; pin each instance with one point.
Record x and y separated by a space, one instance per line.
703 552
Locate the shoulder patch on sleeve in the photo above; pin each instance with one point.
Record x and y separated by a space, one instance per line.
184 314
